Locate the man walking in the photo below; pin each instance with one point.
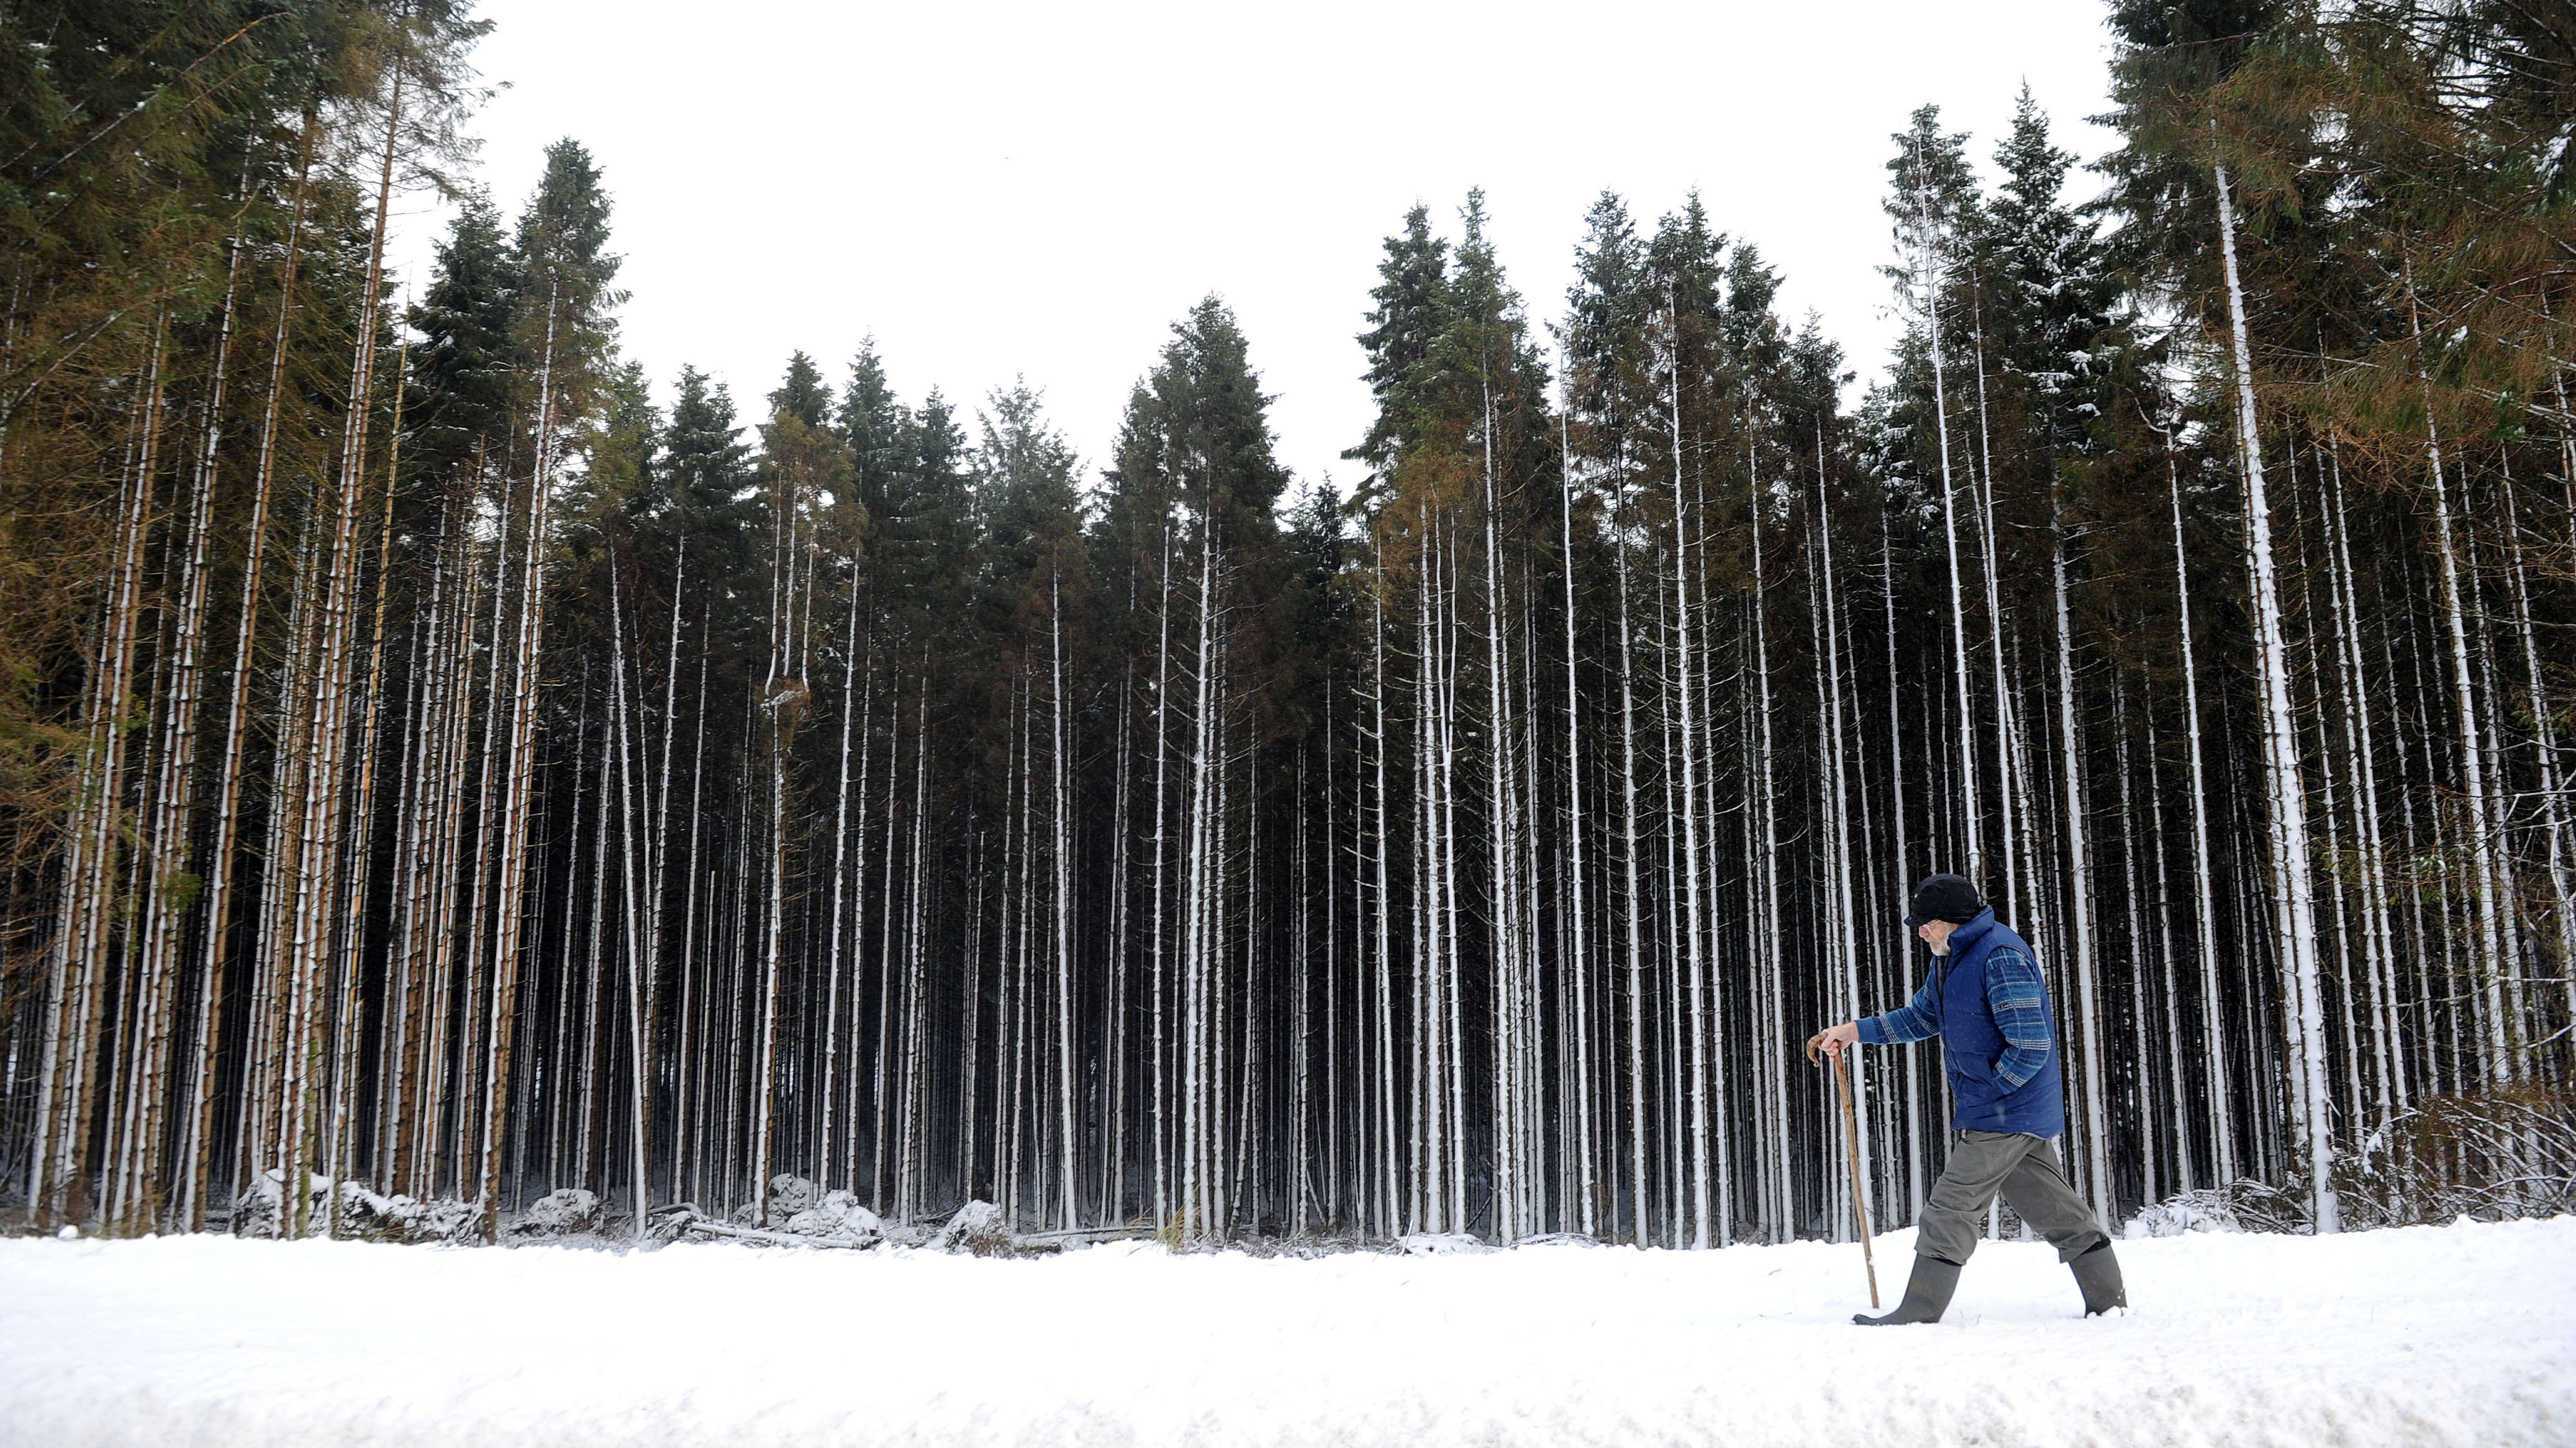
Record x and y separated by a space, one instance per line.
1986 1002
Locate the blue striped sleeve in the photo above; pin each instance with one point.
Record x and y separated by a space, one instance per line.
2013 994
1917 1020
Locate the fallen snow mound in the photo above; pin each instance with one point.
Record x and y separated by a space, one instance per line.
839 1218
565 1213
975 1227
788 1195
2456 1336
364 1214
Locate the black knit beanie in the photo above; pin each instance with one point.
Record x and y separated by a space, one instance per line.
1944 897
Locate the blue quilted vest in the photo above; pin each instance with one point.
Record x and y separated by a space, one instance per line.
1971 1043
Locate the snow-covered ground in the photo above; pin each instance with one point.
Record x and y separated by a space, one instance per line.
2451 1335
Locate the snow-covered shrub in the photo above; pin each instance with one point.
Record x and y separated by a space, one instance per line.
2263 1207
976 1227
1439 1244
1559 1239
2487 1156
2200 1211
2483 1156
568 1211
838 1217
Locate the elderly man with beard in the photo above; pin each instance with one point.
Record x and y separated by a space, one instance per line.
1987 1003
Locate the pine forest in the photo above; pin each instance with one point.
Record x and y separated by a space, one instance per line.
440 764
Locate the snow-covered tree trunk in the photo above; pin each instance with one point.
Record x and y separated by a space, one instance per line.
525 655
1390 1155
1510 1030
2079 881
1773 938
2213 1028
1156 954
1928 265
630 934
179 787
1694 965
782 698
1061 859
2379 949
2472 744
2553 801
2007 744
1903 881
1587 1187
2294 908
1838 794
220 852
1634 903
1197 1191
833 931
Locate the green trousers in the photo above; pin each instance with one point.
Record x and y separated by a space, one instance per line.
2025 1169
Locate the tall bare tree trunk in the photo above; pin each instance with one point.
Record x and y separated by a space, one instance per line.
2294 899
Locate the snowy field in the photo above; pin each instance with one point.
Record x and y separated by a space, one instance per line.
2446 1335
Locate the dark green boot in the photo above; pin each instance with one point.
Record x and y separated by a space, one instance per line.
1927 1295
2097 1272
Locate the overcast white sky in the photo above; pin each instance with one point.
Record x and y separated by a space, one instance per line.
1041 189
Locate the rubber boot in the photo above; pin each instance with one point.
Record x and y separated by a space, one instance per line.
1927 1295
2097 1272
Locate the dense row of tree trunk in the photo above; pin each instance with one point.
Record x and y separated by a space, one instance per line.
432 765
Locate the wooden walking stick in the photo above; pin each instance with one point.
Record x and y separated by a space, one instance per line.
1851 1144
